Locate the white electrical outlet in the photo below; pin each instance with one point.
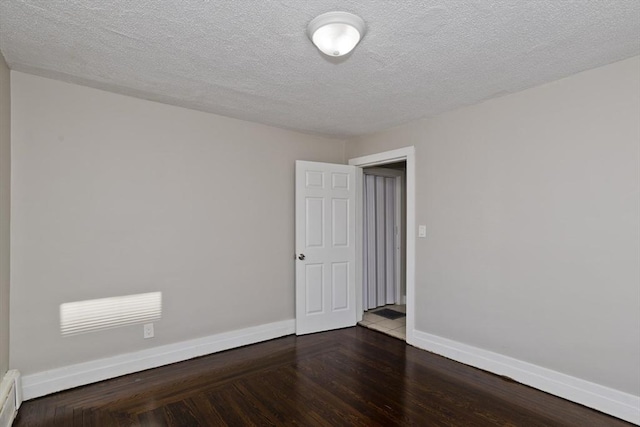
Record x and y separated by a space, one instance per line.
148 330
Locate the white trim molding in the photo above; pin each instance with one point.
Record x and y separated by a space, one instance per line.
407 154
610 401
392 156
47 382
10 397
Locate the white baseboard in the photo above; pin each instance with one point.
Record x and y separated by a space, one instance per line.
10 397
47 382
610 401
604 399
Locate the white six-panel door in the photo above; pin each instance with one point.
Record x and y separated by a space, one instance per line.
325 246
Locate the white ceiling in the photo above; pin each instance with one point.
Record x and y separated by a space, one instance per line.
251 59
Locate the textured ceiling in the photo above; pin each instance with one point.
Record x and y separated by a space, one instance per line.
252 60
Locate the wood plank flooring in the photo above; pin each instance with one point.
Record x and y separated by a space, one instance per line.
349 377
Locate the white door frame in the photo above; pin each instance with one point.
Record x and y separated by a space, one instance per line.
402 154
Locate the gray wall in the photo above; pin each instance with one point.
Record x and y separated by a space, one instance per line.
531 203
115 195
5 192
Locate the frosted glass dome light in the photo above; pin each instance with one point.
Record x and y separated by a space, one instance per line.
336 33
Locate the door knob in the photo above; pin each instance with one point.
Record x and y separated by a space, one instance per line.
301 257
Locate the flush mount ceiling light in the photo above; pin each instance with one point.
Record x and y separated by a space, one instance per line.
336 33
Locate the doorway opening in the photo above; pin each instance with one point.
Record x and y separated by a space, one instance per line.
392 306
384 251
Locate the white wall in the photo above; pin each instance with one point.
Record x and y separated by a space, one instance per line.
531 203
5 191
114 195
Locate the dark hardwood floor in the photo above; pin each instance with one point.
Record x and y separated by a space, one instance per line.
350 377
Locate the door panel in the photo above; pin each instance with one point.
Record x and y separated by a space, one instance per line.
315 222
381 242
370 244
325 246
340 283
314 284
390 237
340 220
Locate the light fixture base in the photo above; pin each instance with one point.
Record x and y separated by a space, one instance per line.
336 33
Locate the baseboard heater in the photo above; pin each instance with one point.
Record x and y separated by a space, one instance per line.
10 397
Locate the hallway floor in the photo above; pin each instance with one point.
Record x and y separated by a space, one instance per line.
395 328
